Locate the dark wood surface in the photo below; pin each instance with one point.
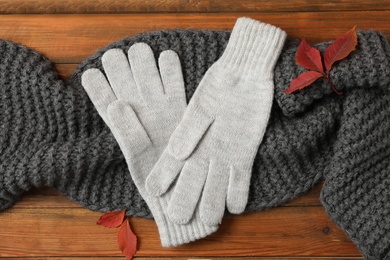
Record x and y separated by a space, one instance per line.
46 225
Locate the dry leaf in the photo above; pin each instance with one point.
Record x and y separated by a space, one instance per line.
309 57
304 80
112 219
340 48
127 241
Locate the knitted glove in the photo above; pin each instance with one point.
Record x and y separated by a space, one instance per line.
142 110
214 145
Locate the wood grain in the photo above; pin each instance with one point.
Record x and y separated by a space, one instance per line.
72 38
190 6
288 231
47 225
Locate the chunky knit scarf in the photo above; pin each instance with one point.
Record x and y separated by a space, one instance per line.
51 134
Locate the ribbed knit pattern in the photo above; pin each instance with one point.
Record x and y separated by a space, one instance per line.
250 52
300 144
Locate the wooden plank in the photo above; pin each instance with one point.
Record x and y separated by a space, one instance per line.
72 38
65 70
72 232
56 232
175 6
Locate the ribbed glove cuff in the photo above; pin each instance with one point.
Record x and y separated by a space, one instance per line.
254 47
172 234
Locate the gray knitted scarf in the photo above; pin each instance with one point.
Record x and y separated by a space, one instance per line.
51 134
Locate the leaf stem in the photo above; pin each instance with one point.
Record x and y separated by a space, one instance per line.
332 86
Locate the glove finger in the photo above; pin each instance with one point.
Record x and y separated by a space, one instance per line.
163 174
98 90
145 72
172 76
117 69
189 132
212 205
238 190
127 129
187 191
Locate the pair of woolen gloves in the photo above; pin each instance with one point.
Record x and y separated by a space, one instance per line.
191 161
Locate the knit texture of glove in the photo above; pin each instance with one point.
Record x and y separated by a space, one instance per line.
143 105
210 154
297 149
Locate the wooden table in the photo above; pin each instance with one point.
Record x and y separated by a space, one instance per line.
46 225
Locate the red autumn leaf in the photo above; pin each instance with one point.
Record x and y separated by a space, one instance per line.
304 80
340 48
112 219
127 241
309 57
